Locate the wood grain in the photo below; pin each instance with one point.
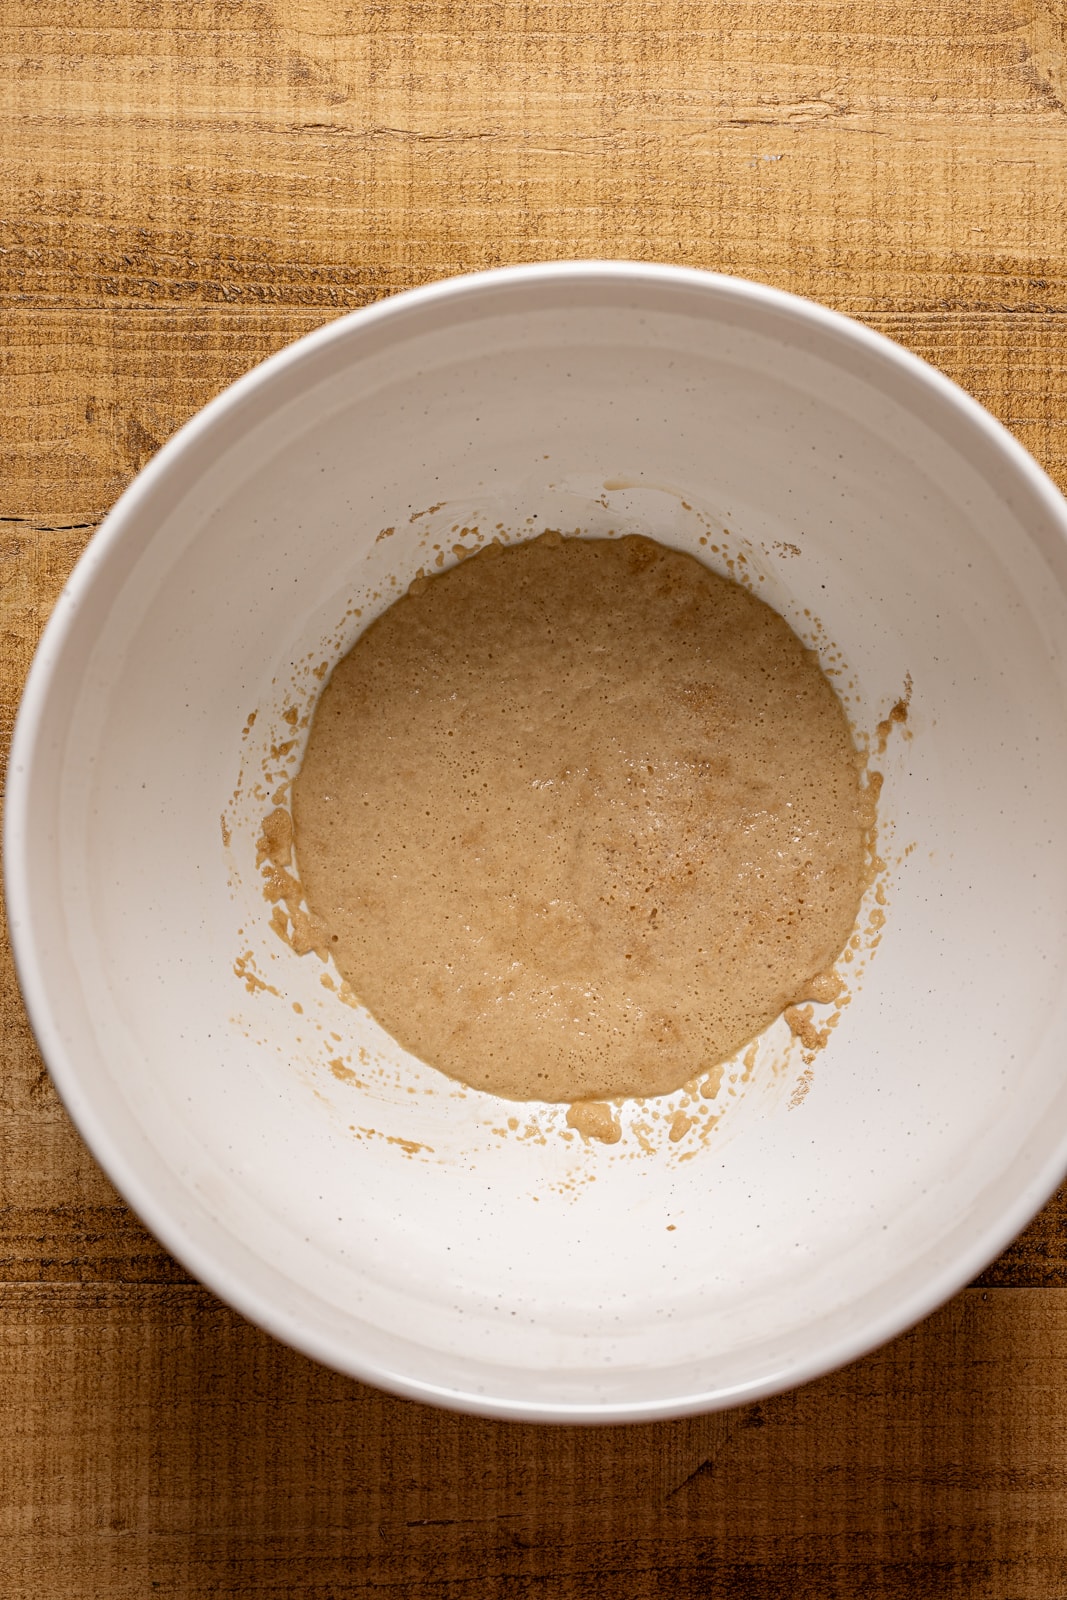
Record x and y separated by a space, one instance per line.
175 1450
183 190
322 153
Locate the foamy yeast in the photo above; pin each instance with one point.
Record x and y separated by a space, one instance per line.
581 818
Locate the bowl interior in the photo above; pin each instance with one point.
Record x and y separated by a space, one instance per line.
437 1240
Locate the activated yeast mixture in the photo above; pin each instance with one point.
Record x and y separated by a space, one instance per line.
581 818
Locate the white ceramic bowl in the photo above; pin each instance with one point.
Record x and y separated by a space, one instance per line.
382 1225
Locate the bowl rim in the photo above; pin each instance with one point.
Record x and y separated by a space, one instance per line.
195 1248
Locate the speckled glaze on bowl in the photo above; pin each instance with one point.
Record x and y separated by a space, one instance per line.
343 1195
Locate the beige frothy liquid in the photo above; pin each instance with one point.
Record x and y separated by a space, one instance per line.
581 818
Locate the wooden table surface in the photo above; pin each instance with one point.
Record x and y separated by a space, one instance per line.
188 186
